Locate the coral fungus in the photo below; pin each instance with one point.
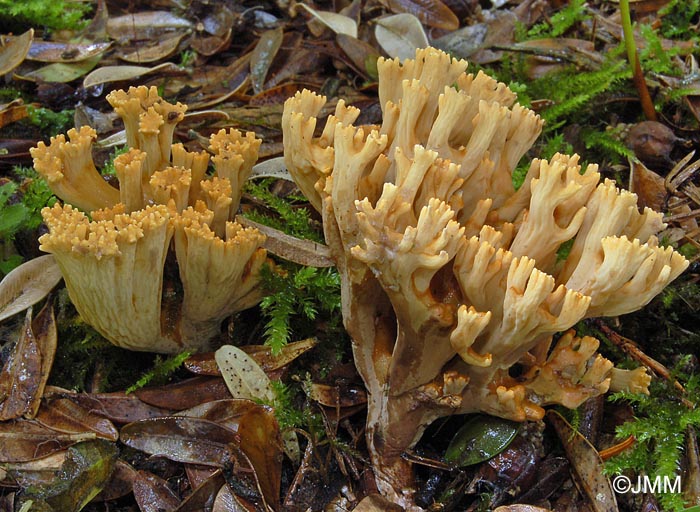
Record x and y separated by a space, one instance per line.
114 264
451 276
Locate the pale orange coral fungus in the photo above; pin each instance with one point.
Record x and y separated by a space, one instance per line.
450 275
113 266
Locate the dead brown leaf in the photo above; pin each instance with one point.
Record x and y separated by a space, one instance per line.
649 186
117 407
202 498
431 13
120 483
150 52
182 439
363 56
586 465
24 440
13 111
152 493
335 396
261 441
376 503
20 376
64 415
185 394
145 25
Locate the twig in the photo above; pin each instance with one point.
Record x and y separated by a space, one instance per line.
630 348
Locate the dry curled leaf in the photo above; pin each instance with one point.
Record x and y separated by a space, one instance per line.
185 394
399 35
336 22
46 334
261 442
14 50
106 74
118 406
28 284
163 49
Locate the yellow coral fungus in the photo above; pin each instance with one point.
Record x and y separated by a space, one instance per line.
451 276
114 265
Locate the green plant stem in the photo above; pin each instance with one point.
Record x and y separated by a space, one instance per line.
637 74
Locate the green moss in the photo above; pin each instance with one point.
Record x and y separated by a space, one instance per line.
50 122
161 372
659 427
289 214
297 297
51 14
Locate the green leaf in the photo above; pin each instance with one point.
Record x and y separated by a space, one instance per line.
480 438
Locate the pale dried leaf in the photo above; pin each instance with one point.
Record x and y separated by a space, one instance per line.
336 22
14 51
57 51
153 52
139 24
399 35
246 379
263 54
271 168
107 74
28 284
303 252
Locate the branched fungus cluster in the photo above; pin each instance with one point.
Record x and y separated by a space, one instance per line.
113 263
451 276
